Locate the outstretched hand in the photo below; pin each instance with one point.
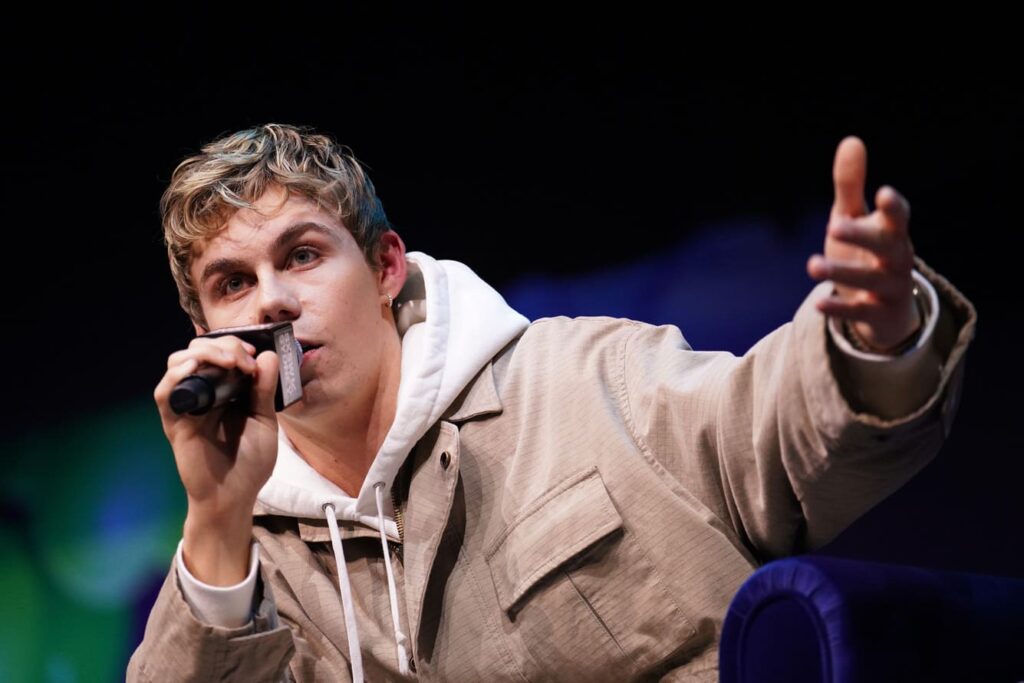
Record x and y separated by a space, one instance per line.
868 256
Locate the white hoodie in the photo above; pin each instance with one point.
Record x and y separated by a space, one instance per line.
451 323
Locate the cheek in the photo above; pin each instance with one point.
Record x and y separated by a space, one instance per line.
350 322
232 314
346 304
351 286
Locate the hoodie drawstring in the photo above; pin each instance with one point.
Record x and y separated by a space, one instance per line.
346 591
400 639
354 653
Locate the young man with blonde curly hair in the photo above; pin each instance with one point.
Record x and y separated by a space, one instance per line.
464 494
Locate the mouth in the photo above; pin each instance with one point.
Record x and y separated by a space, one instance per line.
309 350
306 367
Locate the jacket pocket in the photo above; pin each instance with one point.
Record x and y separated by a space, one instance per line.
575 585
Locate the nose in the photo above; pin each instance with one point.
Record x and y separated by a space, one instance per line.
277 300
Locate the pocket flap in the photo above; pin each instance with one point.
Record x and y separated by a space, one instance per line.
560 524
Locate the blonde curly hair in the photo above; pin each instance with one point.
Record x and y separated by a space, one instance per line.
231 173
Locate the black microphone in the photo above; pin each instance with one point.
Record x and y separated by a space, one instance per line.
211 386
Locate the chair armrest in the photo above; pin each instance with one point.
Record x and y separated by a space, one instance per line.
815 618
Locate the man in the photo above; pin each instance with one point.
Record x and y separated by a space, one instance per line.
462 494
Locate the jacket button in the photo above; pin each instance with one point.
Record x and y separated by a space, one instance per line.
445 460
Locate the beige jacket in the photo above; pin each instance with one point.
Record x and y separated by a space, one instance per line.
586 508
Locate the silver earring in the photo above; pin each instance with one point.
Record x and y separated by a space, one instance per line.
390 300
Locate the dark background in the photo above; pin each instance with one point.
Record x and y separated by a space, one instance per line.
517 144
540 149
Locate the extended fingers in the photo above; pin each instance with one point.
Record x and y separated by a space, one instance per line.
893 207
862 307
849 170
852 275
858 276
889 243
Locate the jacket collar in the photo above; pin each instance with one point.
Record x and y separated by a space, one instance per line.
479 398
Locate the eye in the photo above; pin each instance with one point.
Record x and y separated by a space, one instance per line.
304 256
231 284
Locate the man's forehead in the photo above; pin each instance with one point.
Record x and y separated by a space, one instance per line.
274 204
253 232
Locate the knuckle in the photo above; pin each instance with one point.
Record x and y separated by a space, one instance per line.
177 358
861 302
161 394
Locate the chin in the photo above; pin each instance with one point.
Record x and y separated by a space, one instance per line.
312 402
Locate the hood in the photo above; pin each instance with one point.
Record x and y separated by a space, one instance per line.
451 324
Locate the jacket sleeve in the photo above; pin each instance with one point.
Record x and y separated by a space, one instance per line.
178 646
867 378
781 443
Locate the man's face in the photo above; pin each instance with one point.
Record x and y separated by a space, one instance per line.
300 264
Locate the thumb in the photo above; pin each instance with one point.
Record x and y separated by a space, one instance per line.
849 171
265 385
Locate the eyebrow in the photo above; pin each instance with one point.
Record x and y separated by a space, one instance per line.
287 236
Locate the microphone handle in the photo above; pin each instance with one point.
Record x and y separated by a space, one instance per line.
208 387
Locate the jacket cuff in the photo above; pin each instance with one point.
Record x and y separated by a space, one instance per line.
225 606
842 418
177 646
873 378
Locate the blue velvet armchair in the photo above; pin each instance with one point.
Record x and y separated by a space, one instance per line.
814 618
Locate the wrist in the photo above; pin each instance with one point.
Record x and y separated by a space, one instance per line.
217 553
859 343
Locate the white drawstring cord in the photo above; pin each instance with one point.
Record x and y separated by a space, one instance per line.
346 596
400 639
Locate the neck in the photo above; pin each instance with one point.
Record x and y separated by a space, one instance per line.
341 444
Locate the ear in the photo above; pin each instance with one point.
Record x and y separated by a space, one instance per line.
393 267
